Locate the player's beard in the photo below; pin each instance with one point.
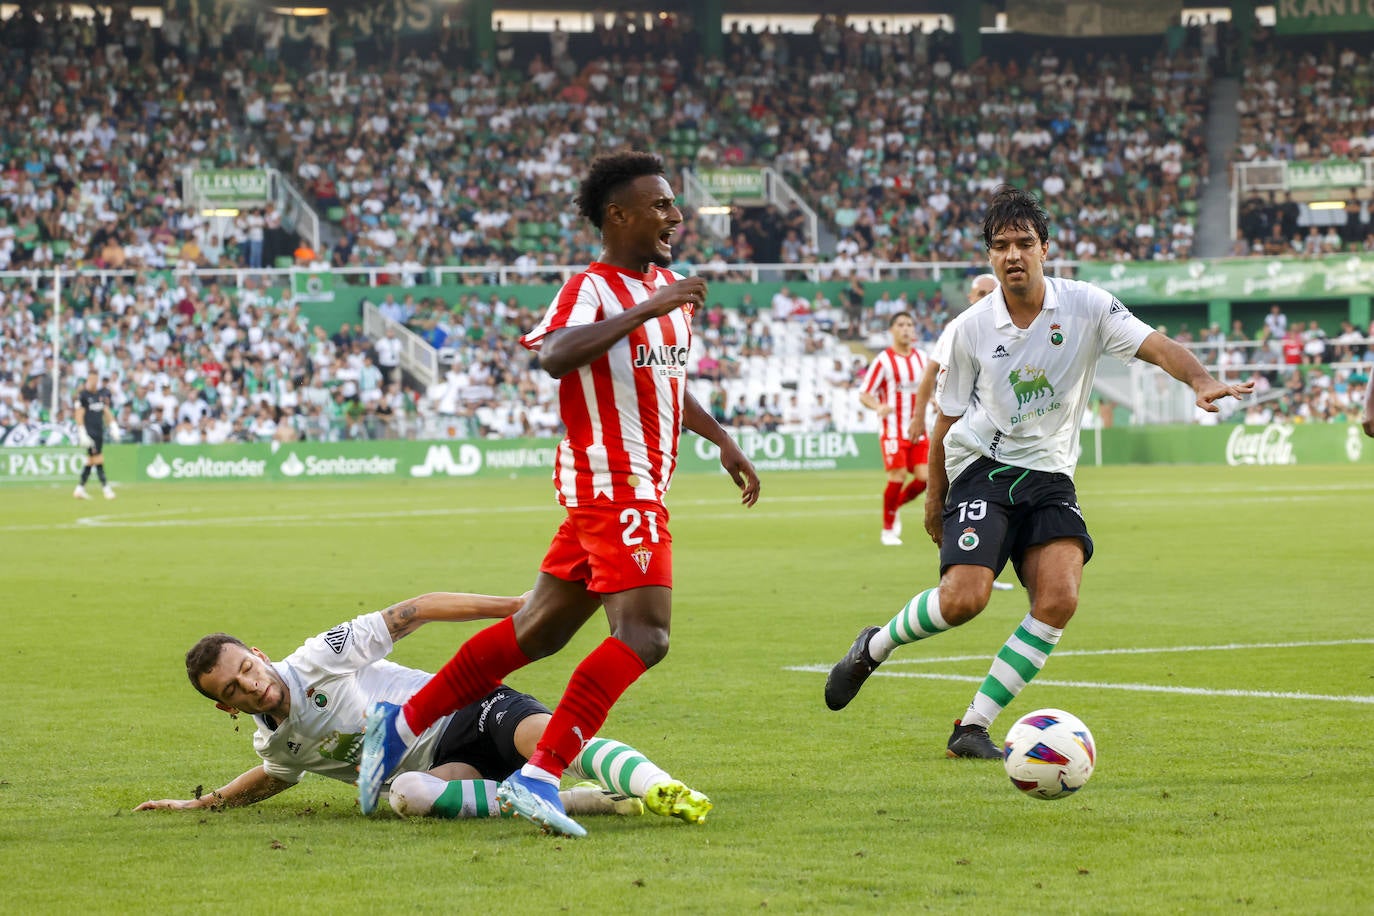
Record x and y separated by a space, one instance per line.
661 260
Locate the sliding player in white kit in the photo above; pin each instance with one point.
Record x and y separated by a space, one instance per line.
1003 452
310 707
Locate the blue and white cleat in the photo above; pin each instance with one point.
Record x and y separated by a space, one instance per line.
538 802
382 752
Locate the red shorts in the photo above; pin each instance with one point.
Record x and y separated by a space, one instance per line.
904 454
613 548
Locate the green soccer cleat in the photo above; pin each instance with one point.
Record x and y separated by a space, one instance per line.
673 799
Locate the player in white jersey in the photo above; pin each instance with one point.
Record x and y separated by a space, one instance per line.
309 710
617 338
889 389
1010 397
980 286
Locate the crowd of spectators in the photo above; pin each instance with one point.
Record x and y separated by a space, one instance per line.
191 362
1305 104
428 156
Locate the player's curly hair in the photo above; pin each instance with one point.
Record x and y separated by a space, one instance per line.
204 655
607 175
1013 208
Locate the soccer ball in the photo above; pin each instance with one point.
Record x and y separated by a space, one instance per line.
1049 754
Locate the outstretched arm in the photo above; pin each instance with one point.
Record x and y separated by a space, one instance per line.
1179 361
406 616
247 789
732 457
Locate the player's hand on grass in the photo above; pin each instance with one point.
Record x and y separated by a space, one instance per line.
171 804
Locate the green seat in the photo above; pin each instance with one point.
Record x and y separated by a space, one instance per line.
334 214
60 247
284 260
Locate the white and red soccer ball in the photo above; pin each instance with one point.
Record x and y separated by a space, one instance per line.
1049 753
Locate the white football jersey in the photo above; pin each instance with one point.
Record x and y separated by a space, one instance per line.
333 680
1019 393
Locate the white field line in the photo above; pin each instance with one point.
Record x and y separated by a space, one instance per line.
1135 688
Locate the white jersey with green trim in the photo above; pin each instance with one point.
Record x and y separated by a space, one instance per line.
333 679
1020 393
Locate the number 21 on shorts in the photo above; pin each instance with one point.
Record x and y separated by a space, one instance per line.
633 520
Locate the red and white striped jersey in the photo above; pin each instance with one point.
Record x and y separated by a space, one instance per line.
622 411
893 380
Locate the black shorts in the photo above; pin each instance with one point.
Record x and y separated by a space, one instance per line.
995 512
482 734
97 443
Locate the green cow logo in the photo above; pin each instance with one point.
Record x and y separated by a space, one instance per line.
1034 385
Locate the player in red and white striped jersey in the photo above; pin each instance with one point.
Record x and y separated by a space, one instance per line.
890 389
617 337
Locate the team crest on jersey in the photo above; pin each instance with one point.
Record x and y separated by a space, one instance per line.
1028 383
337 638
1056 336
319 698
642 556
969 539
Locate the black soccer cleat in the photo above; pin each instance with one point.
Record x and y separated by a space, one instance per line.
850 672
971 741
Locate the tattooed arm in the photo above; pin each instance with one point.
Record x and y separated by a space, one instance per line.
251 787
404 617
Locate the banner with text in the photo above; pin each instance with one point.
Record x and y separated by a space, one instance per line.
732 184
1150 282
1089 18
1329 173
230 187
770 452
1326 443
1304 17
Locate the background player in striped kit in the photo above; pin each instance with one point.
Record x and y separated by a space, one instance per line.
617 337
1011 394
889 389
309 711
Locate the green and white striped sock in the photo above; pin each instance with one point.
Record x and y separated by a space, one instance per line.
1018 661
918 620
418 794
618 767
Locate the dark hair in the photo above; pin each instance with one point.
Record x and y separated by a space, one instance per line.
607 175
900 315
204 655
1013 208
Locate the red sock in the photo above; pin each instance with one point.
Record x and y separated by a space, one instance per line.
471 674
594 687
913 490
892 498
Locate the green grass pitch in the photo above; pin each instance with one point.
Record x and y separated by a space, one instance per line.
1223 655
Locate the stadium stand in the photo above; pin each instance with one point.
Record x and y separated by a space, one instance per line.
419 158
